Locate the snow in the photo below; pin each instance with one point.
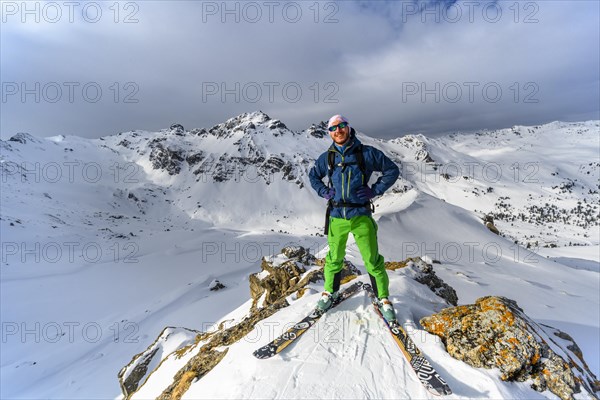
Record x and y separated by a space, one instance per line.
262 274
157 273
56 139
276 261
261 300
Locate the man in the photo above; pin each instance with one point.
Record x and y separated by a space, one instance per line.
350 208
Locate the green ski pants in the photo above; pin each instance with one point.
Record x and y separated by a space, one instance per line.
364 230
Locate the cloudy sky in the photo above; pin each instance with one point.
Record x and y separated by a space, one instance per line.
392 67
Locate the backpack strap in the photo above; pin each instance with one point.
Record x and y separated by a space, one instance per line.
330 165
360 159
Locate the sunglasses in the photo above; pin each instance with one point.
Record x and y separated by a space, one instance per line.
341 125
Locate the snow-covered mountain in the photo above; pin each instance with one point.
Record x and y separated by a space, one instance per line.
107 241
216 175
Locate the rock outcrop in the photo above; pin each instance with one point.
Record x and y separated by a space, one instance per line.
168 158
23 138
319 131
423 272
171 339
488 221
216 285
177 129
288 273
495 333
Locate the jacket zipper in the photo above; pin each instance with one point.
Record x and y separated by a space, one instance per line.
344 208
349 175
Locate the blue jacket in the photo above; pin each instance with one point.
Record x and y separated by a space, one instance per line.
348 181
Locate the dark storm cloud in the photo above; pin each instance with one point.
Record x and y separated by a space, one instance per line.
391 67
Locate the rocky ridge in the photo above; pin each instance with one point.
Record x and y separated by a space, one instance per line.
493 333
283 279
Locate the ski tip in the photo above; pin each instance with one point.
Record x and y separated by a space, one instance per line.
441 392
257 354
437 386
267 351
261 356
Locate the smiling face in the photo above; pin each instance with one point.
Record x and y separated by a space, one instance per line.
340 135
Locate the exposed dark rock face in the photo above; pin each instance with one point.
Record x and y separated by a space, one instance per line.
427 276
177 129
23 138
216 285
166 158
319 131
423 273
195 158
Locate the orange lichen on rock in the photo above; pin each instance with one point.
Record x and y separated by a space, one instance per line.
394 265
495 333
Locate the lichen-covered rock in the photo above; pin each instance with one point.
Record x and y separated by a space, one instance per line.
394 265
495 333
198 367
288 272
278 275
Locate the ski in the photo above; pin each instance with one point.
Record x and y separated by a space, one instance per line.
289 336
428 376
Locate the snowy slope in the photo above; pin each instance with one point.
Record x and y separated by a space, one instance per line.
540 183
94 266
349 354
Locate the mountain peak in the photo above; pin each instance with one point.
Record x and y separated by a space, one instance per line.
24 137
319 131
250 123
